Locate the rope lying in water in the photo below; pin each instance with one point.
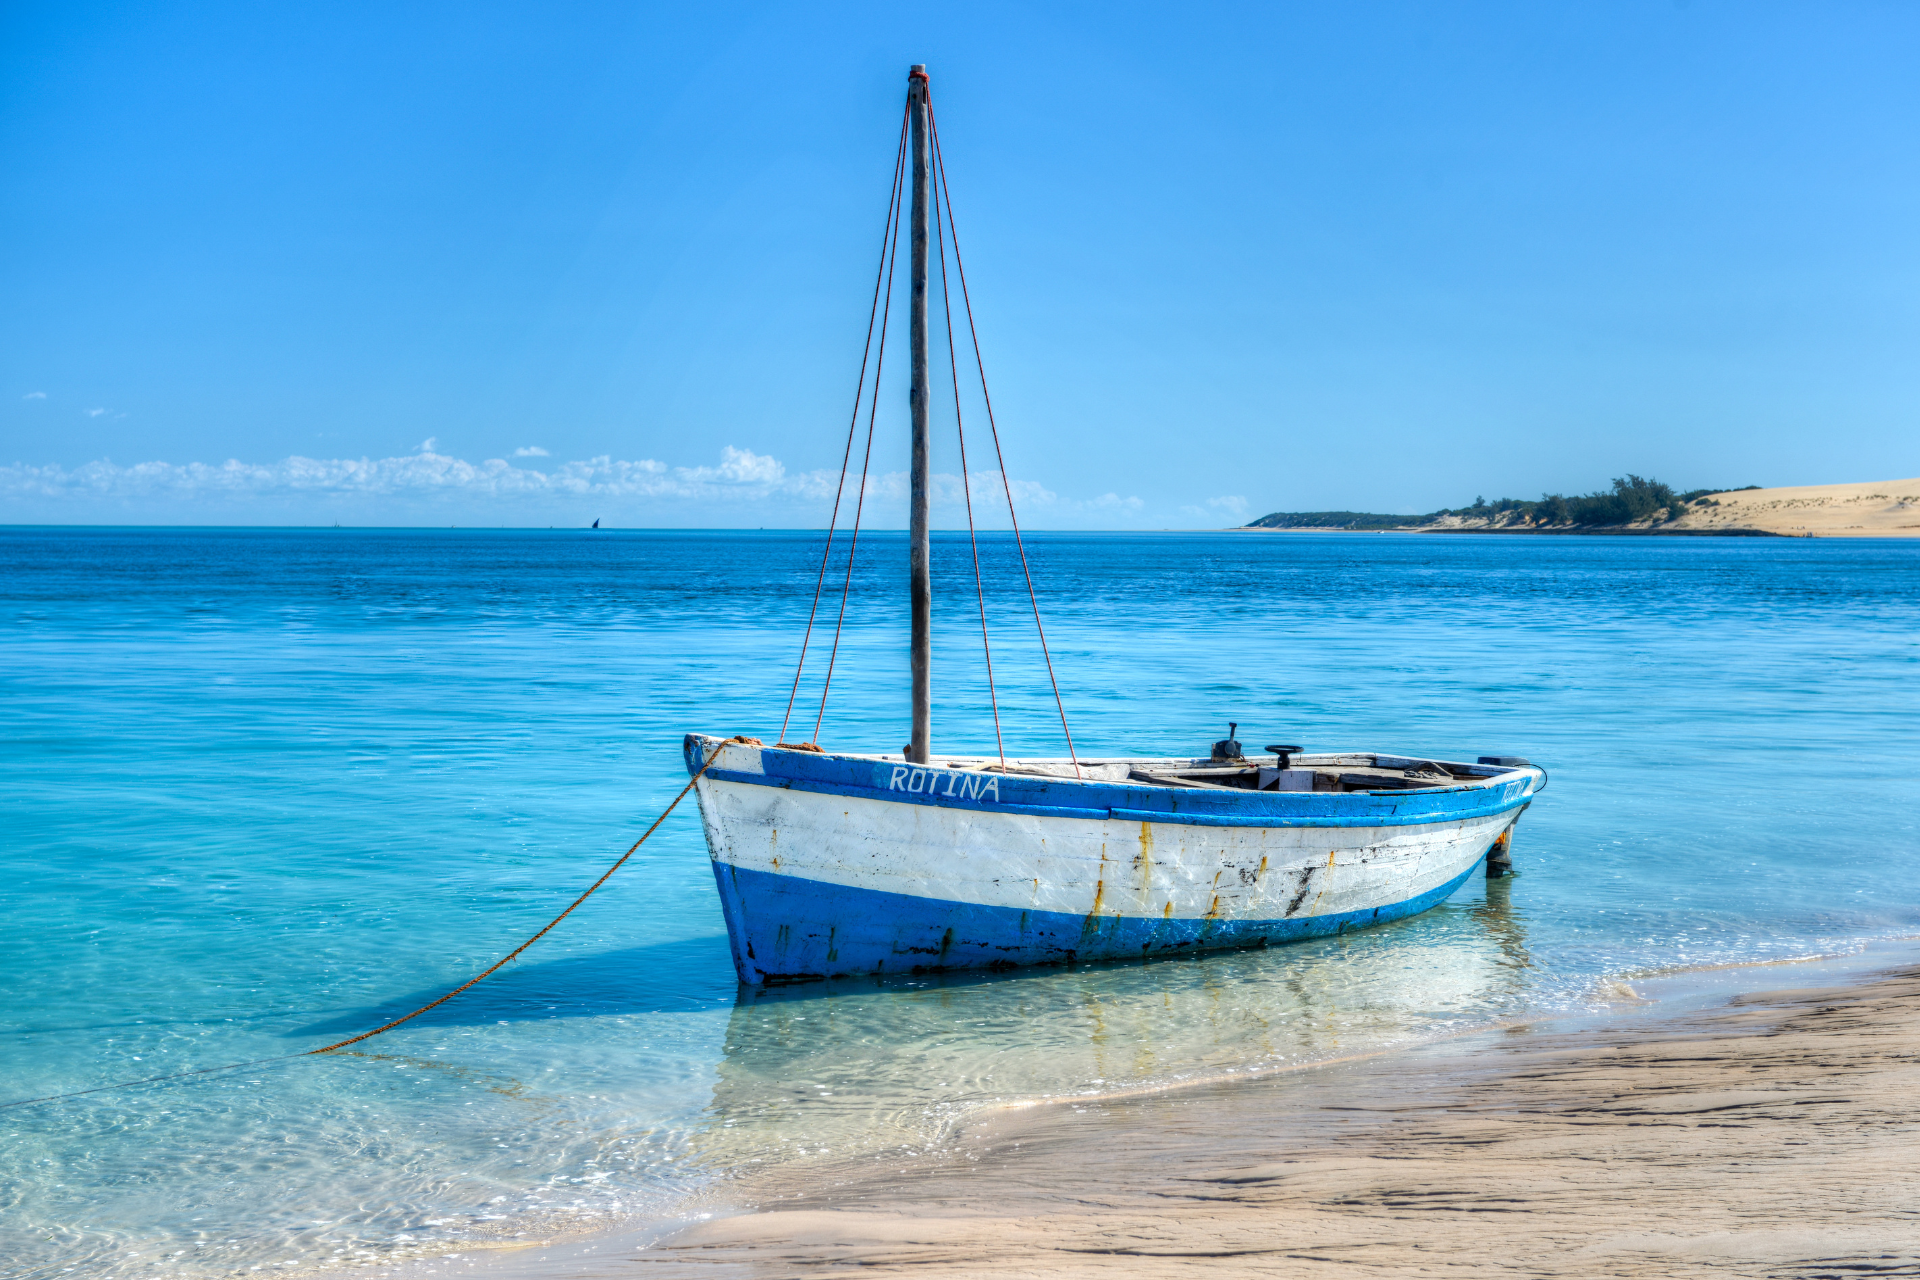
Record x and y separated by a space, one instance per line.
128 1084
368 1035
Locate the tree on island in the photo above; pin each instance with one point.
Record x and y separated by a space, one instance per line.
1632 500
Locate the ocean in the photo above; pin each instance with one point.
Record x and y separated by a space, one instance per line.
262 789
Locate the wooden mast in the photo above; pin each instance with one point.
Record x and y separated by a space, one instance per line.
920 747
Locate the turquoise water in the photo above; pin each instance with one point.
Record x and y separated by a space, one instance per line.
264 789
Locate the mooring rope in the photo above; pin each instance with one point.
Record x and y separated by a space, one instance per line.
368 1035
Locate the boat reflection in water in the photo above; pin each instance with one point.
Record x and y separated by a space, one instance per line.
889 1066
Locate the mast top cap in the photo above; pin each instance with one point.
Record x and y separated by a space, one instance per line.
918 69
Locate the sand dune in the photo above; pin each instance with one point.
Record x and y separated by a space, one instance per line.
1870 509
1874 509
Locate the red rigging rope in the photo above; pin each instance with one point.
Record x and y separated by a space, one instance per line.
853 423
368 1035
966 477
866 459
960 266
946 229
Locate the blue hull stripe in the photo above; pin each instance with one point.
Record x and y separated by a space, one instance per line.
1131 802
787 929
1487 810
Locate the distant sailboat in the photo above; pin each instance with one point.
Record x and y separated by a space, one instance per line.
596 524
837 863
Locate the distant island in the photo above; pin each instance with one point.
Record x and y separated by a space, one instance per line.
1636 505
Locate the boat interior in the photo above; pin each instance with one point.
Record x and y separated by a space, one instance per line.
1285 772
1228 768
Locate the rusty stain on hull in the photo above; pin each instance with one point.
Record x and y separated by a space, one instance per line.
1327 879
1143 863
1093 916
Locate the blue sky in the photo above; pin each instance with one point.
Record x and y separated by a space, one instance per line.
612 261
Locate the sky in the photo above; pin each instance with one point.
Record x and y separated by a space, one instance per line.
532 264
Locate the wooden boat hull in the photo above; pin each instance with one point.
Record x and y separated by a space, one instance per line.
835 865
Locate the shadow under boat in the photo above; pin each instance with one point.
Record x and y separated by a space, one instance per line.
688 975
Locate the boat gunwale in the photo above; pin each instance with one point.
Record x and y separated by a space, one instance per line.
1045 795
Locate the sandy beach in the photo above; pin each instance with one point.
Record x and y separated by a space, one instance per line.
1777 1135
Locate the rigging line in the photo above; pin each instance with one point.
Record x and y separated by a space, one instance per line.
966 298
866 459
853 545
966 477
368 1035
853 423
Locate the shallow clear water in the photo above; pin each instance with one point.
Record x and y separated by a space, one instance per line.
261 790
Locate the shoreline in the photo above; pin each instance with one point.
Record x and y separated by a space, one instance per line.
1578 531
1869 509
1776 1133
1719 1126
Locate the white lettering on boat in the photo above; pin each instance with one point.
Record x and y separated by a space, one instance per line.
965 786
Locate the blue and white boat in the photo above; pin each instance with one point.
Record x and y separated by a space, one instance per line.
832 864
841 863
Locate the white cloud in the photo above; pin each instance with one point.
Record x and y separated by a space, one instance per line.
743 487
425 472
34 395
1232 507
426 446
737 466
985 488
94 413
530 451
741 473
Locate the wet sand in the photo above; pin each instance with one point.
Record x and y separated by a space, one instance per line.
1776 1135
